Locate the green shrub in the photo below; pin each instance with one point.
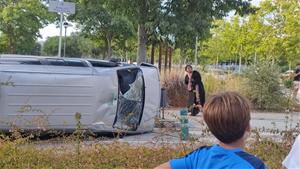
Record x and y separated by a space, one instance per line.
263 86
211 84
288 83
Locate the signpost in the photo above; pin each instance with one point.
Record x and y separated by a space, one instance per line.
61 7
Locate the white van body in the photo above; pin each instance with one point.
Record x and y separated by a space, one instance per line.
46 93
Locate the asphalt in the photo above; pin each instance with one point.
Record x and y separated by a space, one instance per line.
267 123
168 130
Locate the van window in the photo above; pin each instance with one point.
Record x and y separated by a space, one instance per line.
55 62
76 63
62 62
23 62
96 63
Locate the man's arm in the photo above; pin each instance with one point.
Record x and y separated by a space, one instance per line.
164 166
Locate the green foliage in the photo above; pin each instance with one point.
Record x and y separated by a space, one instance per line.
288 83
20 22
188 19
144 14
51 46
273 33
263 85
99 24
76 46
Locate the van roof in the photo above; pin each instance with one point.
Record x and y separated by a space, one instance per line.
54 61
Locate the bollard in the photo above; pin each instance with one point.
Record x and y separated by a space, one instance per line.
184 123
163 101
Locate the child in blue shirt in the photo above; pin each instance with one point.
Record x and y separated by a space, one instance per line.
227 116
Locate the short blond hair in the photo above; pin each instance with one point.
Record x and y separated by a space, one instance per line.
227 116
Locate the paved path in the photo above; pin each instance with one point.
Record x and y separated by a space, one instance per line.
267 123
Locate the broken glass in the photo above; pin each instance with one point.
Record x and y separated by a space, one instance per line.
131 99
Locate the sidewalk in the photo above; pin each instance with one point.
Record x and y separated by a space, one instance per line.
265 122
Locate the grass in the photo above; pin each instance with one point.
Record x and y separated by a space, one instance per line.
116 155
20 154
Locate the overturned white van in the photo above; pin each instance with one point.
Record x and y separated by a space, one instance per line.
47 92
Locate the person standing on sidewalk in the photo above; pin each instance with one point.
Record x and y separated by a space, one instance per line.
196 90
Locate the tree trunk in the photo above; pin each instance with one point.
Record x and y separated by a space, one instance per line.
166 57
109 50
142 40
159 57
240 64
126 52
152 53
196 52
181 57
170 58
11 42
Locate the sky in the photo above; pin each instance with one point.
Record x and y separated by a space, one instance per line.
51 29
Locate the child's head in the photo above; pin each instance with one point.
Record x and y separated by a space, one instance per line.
227 116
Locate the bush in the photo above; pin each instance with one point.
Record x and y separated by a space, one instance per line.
263 86
211 84
288 83
230 83
176 89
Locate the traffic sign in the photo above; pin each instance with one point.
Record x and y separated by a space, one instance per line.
61 7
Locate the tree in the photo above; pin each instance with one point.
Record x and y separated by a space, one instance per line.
143 14
37 50
97 22
50 47
272 33
20 22
189 19
285 22
77 46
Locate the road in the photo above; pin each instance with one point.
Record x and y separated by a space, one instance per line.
269 125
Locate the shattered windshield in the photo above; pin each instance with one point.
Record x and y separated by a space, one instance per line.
135 93
131 99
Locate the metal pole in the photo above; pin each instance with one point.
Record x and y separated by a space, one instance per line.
65 41
60 32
